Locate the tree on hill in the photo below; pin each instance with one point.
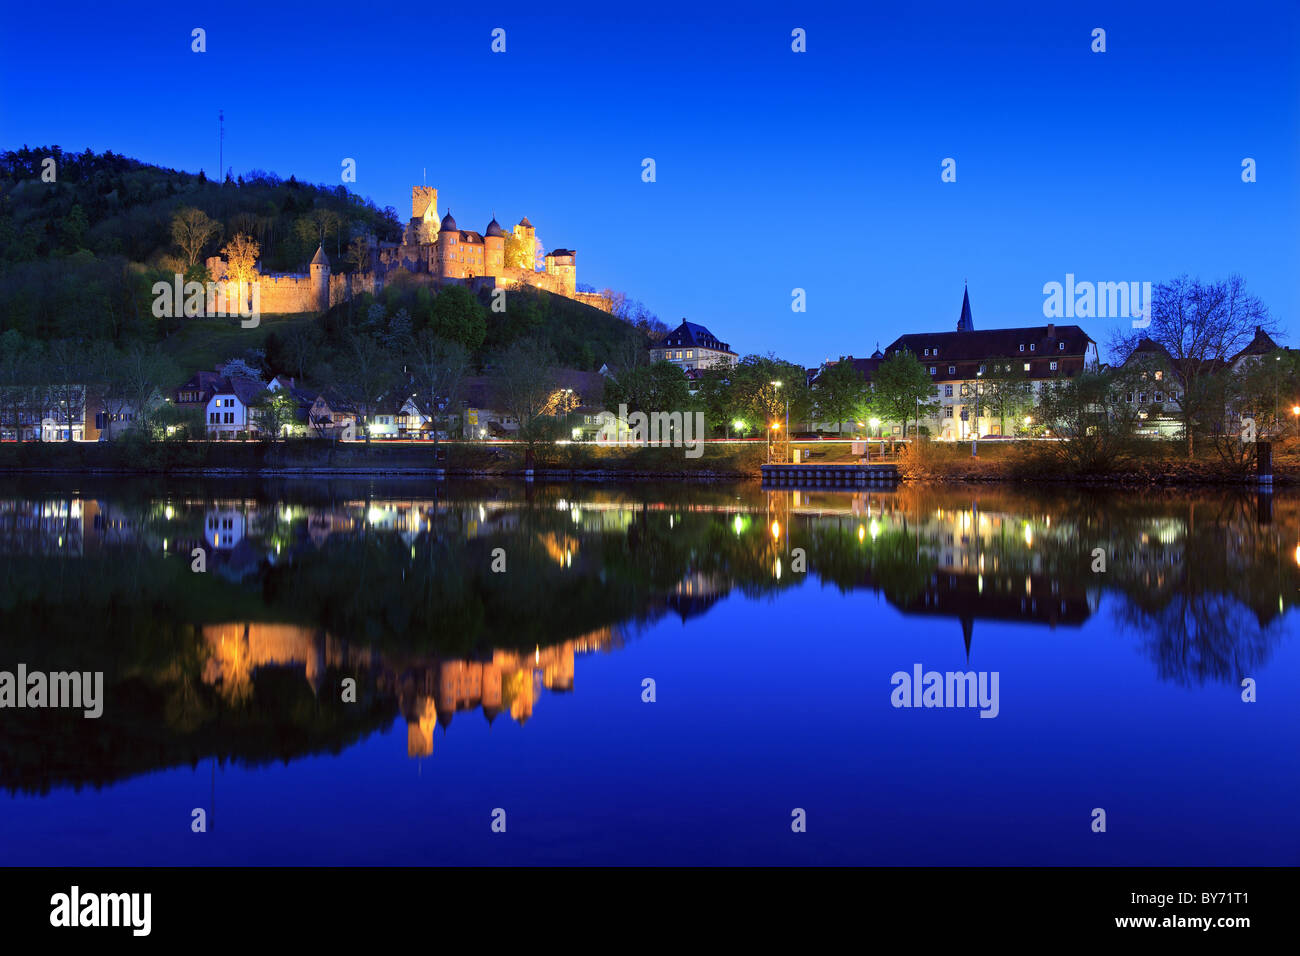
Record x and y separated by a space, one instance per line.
241 257
192 229
519 253
458 317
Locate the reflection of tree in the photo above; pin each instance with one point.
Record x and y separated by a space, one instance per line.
1200 636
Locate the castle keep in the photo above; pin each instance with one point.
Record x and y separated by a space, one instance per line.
437 249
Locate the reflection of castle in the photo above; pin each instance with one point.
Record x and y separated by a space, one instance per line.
429 692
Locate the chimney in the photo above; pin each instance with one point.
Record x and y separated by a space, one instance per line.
1051 330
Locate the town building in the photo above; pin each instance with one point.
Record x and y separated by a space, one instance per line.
964 365
692 347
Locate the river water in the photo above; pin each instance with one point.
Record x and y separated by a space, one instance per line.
404 672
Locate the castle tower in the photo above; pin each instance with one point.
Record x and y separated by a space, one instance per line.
494 249
320 279
450 265
528 235
423 198
423 227
562 263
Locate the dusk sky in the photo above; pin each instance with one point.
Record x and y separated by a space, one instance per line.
775 169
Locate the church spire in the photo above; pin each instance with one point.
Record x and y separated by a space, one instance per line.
965 323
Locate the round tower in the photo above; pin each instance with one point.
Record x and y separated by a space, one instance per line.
449 264
320 279
494 249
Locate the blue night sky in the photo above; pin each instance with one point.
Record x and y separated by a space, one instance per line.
775 170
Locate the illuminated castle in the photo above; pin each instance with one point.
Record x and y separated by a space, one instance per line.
492 258
437 249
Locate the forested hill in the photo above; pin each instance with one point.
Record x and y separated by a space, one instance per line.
84 238
110 205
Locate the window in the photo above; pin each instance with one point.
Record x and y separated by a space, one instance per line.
1022 346
1062 346
927 351
1026 366
983 369
1160 396
690 353
952 370
1031 346
1142 398
1052 366
935 352
947 391
1159 376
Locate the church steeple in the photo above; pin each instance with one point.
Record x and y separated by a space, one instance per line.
965 323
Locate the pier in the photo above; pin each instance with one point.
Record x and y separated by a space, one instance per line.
829 476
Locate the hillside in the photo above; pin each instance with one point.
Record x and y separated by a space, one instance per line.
79 257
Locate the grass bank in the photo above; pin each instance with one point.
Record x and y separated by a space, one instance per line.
1145 464
306 456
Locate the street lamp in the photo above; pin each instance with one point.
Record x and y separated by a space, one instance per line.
787 423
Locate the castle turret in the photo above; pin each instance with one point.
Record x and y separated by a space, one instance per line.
450 264
320 279
562 263
494 249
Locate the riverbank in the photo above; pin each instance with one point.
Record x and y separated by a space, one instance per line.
931 463
304 458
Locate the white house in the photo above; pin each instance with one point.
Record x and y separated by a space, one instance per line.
229 412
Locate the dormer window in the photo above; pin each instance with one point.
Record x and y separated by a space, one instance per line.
932 369
1062 346
1022 346
1031 346
952 370
927 351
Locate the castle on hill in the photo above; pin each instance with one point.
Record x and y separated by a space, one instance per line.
437 250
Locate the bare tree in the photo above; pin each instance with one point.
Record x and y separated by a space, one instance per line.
191 230
438 365
524 377
1201 325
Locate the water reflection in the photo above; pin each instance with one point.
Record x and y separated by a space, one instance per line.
308 585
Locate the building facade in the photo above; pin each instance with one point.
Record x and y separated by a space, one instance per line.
692 347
